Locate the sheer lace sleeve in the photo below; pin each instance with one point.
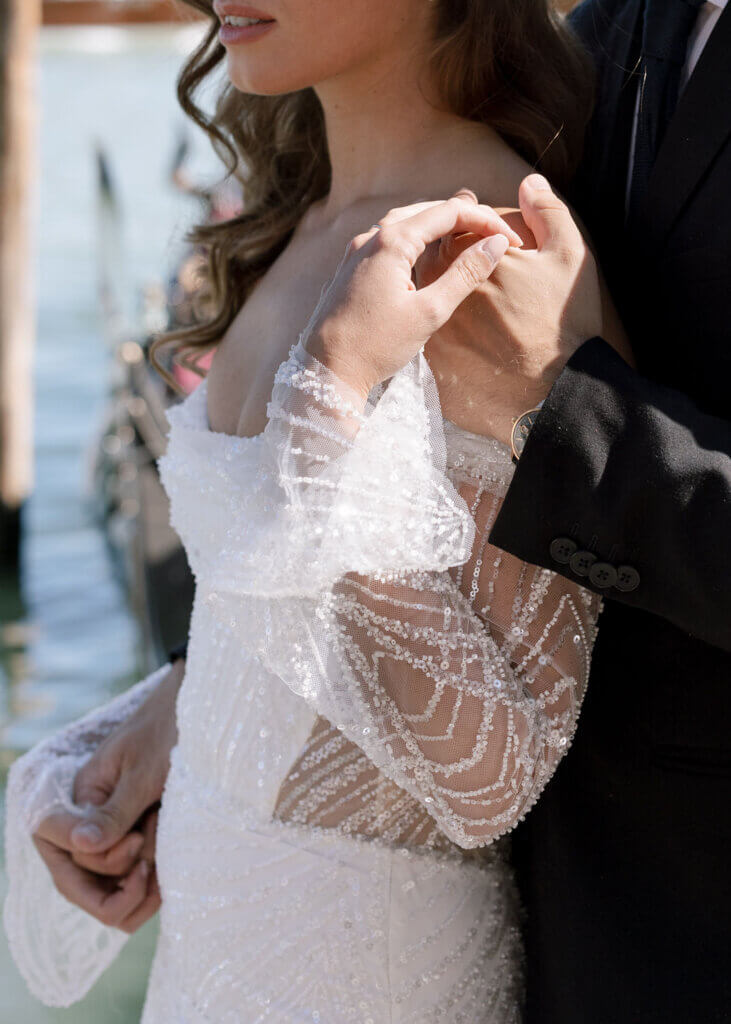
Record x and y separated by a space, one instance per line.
58 948
458 670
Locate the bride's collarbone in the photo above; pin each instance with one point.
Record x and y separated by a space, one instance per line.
241 378
259 340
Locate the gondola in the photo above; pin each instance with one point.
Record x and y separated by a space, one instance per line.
129 500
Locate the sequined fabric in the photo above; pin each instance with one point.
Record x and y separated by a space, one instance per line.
356 569
373 697
263 921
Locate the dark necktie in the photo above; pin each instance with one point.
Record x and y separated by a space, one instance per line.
666 31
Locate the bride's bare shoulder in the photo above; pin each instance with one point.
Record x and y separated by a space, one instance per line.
492 171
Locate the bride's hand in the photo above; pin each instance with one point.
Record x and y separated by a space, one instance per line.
372 320
110 872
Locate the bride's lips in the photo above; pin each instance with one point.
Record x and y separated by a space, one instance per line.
249 23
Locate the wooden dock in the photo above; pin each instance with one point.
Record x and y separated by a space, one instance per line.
19 20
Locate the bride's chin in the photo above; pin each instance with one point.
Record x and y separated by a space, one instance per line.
261 80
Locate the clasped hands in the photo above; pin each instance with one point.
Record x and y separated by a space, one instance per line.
500 302
506 300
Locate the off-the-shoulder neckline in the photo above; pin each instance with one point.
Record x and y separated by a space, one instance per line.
197 401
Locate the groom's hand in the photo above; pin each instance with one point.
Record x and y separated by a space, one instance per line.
103 860
523 324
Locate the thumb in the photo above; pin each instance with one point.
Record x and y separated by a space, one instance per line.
58 827
548 217
104 824
470 269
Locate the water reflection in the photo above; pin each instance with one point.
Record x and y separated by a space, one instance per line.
15 638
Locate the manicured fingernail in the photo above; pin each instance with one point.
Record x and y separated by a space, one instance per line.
512 236
495 246
538 183
87 834
467 193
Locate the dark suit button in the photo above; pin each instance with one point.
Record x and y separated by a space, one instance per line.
602 574
562 548
627 578
581 562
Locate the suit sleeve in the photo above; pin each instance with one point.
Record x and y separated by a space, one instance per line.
625 486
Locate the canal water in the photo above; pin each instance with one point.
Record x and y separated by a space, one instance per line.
67 640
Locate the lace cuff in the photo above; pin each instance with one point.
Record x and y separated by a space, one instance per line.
58 948
349 490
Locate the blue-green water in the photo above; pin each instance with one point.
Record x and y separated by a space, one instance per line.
67 641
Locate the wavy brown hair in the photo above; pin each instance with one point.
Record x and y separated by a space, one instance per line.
511 64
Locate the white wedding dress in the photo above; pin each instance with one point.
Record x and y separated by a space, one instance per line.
373 696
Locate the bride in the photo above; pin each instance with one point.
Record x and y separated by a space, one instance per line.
373 694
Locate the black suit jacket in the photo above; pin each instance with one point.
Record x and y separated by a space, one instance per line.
625 863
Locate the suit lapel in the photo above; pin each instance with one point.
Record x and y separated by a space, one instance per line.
619 35
700 126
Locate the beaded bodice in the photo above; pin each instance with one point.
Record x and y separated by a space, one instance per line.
361 658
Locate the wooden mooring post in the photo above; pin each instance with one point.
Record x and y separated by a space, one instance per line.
19 20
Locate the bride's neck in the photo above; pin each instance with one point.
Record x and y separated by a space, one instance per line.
387 137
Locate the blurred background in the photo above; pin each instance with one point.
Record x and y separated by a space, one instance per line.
100 178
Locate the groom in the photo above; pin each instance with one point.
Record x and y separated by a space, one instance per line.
625 484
